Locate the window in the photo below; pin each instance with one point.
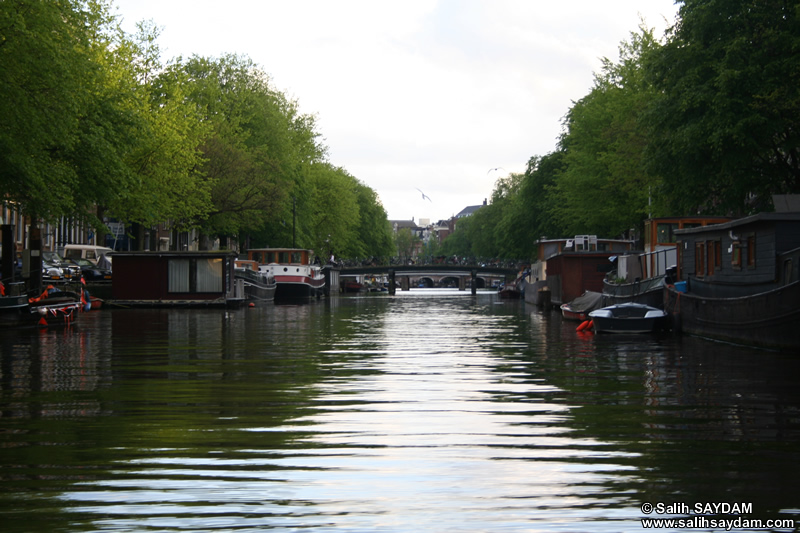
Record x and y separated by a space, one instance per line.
209 275
195 275
718 255
178 275
736 255
751 251
665 233
699 258
711 264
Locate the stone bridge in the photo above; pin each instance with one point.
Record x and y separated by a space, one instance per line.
477 275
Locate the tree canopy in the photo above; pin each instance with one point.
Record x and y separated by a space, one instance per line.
724 120
96 124
704 121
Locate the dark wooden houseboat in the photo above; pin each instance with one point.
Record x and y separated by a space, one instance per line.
192 279
740 281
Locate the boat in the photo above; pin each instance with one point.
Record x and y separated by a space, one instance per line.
628 317
579 308
739 281
53 307
566 268
352 285
258 286
509 291
649 291
296 275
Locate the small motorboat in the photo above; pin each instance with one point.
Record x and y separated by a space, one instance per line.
628 318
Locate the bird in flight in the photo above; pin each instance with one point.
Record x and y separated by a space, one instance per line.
495 168
425 196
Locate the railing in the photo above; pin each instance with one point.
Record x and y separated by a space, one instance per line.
433 261
656 263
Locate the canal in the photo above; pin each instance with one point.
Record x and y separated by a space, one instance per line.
431 410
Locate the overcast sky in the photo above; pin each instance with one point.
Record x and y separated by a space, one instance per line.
429 95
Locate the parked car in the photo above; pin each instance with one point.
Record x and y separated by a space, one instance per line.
50 272
92 272
70 271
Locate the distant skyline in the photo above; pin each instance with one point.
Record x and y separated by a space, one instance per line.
443 97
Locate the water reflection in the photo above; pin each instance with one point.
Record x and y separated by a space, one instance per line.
421 412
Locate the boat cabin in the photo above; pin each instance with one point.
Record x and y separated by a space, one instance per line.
570 267
175 278
755 253
660 242
283 256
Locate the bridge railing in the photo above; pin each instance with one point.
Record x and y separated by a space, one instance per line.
431 260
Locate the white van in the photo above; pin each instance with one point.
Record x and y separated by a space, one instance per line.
86 251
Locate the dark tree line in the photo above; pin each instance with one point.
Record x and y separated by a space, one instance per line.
703 121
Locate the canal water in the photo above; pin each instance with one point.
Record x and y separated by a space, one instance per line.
428 411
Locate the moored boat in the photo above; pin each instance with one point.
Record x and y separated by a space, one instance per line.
52 307
628 317
740 281
296 276
258 286
579 308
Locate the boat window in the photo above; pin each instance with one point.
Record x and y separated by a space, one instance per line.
297 257
283 257
178 274
718 255
665 232
699 258
751 251
209 275
736 255
711 257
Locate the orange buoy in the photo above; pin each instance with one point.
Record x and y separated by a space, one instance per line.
252 304
584 325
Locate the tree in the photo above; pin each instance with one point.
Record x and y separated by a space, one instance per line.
373 232
335 217
723 128
405 242
259 153
48 52
604 187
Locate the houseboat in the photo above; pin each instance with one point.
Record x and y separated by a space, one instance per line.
175 279
641 277
297 275
567 268
740 281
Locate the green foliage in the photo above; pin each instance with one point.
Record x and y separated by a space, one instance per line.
604 188
405 241
49 74
93 121
723 126
373 232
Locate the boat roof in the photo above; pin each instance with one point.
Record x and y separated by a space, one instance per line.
768 217
279 250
